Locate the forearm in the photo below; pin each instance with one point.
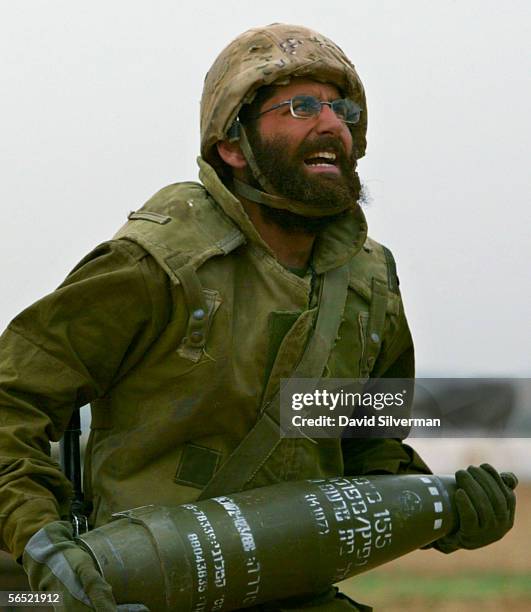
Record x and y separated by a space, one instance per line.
34 493
36 398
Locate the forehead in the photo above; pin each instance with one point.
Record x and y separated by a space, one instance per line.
299 85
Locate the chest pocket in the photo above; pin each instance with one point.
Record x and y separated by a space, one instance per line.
361 333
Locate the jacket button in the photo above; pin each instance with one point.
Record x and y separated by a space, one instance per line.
196 337
375 337
198 314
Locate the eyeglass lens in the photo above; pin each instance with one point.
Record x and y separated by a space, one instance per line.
310 106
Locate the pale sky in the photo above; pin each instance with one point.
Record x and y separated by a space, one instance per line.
100 108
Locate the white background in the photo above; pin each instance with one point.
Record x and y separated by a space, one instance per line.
99 108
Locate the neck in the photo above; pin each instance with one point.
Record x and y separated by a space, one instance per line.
292 249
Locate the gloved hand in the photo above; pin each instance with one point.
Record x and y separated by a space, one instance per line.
54 562
485 504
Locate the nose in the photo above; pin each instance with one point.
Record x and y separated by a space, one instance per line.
328 122
328 118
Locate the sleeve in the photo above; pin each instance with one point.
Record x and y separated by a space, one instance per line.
364 456
60 353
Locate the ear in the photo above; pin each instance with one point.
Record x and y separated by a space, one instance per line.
231 153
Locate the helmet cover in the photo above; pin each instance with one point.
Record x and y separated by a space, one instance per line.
272 54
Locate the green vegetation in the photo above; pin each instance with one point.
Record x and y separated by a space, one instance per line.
467 585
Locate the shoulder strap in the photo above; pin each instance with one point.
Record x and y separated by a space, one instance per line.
181 244
392 276
264 437
375 325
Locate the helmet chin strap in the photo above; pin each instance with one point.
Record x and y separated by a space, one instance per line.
267 196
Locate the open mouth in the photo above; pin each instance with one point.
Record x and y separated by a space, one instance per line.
322 160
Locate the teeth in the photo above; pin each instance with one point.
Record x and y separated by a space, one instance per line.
324 154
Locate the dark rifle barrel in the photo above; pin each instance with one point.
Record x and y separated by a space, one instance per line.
70 458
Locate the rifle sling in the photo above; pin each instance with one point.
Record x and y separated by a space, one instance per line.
249 456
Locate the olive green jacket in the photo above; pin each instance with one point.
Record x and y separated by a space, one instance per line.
173 392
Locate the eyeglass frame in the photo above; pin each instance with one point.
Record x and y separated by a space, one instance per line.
321 102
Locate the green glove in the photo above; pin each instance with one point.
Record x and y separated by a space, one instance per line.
54 562
485 505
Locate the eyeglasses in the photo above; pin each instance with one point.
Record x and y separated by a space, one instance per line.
306 107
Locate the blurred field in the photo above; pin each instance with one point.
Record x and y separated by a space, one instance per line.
497 577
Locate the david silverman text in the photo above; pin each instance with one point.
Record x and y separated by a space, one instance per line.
298 420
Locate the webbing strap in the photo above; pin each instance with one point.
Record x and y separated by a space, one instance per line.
255 195
283 203
198 314
249 158
261 441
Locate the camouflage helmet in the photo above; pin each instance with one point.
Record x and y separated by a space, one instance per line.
272 54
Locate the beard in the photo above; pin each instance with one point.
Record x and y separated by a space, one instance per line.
286 173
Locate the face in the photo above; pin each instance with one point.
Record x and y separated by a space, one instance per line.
307 134
286 148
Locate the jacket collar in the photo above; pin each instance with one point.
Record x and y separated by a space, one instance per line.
336 245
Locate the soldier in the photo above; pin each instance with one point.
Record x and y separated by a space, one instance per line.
179 329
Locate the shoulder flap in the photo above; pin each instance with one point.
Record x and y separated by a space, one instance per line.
181 225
